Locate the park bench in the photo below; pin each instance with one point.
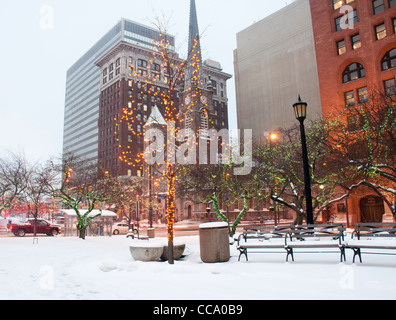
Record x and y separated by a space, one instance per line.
262 232
134 233
264 238
373 236
321 237
291 238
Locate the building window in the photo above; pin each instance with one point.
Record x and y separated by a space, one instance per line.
142 63
339 3
349 99
380 31
353 124
188 119
362 95
346 23
389 60
390 87
353 72
392 3
394 24
356 44
378 6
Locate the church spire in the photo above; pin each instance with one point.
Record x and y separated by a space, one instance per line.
194 49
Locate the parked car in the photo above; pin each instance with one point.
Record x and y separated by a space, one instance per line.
121 228
42 226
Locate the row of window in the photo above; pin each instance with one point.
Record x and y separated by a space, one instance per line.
378 5
362 94
342 21
356 71
379 31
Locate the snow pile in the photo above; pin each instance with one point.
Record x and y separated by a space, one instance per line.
102 268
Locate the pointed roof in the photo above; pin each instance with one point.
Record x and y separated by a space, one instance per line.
194 47
155 117
193 27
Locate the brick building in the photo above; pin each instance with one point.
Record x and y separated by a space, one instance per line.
333 53
355 44
357 55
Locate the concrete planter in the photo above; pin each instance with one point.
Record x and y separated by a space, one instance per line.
214 242
178 250
151 233
146 252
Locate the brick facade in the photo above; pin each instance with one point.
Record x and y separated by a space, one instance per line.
369 53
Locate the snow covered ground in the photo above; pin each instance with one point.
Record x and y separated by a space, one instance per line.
102 268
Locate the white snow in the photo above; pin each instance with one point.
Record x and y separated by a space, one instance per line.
213 225
102 268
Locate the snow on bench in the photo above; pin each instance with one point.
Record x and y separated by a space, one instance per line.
296 237
372 236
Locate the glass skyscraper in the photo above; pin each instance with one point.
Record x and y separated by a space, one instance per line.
80 133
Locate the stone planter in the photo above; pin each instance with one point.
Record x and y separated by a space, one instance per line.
178 250
146 252
214 242
151 233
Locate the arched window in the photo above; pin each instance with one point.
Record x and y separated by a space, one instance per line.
353 72
204 124
204 119
188 119
389 60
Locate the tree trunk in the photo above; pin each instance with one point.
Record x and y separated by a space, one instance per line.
299 219
81 233
170 210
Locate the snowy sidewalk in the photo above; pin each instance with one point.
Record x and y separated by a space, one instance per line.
102 268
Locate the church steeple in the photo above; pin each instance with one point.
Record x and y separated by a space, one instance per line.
194 50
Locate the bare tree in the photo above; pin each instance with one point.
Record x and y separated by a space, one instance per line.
13 179
37 189
363 141
80 183
281 169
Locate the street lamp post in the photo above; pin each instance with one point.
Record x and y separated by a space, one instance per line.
300 110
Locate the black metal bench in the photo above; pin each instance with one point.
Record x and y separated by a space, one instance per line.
291 238
372 236
265 237
318 236
262 232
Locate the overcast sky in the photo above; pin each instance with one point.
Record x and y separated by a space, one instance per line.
41 39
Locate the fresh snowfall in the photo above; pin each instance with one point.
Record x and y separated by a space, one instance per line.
62 268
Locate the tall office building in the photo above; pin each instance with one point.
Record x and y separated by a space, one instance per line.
274 62
80 133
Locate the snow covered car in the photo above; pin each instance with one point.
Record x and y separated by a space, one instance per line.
120 228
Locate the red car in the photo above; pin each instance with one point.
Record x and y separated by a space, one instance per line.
42 226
